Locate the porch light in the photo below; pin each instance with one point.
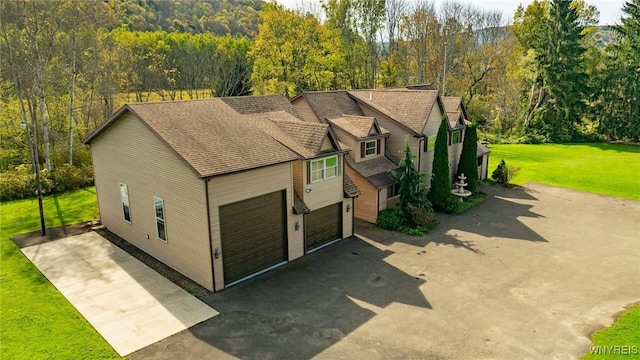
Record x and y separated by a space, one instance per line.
297 225
348 207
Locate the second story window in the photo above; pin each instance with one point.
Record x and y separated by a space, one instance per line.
370 148
323 169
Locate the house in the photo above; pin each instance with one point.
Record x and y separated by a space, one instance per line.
221 189
383 119
457 114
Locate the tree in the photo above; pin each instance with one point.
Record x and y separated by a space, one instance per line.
618 99
556 34
411 182
440 192
468 164
292 53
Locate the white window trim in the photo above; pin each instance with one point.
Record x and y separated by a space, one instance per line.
163 219
374 148
324 169
122 201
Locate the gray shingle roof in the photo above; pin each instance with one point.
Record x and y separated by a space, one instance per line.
351 190
410 108
453 107
299 207
381 165
332 104
214 138
356 126
303 138
260 104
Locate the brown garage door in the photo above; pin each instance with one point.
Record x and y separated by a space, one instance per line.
323 225
253 235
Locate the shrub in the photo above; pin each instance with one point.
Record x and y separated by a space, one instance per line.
68 177
441 183
20 182
469 159
504 173
391 219
419 216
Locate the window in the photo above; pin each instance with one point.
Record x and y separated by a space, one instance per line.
370 148
158 203
124 199
455 137
393 190
429 143
323 169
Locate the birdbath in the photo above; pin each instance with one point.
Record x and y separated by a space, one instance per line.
460 191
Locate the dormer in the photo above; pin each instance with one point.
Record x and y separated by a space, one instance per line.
362 134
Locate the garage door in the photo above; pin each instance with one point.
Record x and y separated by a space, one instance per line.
253 235
323 225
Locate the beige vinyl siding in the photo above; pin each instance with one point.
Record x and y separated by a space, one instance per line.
366 205
129 153
433 123
327 144
430 130
347 218
382 199
297 167
454 155
326 192
346 138
235 187
302 107
483 169
395 142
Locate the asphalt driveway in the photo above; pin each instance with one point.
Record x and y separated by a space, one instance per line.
528 274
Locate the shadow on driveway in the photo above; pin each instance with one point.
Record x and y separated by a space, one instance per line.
316 301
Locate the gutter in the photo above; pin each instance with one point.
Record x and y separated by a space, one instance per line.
206 195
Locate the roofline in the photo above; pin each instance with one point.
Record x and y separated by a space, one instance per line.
115 117
211 176
383 113
302 95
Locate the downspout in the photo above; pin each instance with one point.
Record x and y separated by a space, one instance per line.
420 148
206 195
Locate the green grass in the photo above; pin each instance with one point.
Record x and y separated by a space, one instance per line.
608 169
36 321
625 332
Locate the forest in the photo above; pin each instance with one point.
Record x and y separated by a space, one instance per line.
550 75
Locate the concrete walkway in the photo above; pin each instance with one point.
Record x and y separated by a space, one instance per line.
128 303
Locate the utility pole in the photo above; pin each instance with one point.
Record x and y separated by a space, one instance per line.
36 160
444 68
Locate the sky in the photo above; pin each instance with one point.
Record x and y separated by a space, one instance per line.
610 10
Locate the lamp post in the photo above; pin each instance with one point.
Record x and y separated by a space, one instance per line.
35 160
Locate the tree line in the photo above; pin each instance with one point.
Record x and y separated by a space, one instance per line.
68 64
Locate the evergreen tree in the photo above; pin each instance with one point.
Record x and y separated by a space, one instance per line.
559 53
618 99
468 164
410 181
440 190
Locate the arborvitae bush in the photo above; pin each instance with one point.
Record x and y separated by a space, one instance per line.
504 173
440 192
468 164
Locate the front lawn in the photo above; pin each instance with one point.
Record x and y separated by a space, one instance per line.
608 169
621 341
36 321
